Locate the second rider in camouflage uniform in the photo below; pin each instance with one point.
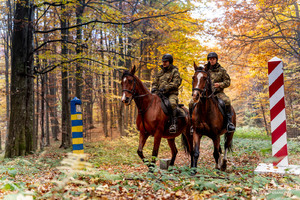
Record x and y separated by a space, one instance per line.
168 81
220 80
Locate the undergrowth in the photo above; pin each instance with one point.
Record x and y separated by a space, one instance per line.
55 174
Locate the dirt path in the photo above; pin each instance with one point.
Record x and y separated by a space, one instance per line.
96 134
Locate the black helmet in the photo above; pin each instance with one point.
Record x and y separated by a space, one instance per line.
212 55
168 57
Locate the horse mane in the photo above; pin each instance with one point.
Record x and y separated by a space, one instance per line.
200 68
126 73
209 85
210 88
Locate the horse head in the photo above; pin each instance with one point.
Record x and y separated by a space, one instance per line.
128 83
200 83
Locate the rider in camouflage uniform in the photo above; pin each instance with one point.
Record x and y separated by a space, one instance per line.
220 80
168 81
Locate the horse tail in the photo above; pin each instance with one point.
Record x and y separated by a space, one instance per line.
228 141
185 143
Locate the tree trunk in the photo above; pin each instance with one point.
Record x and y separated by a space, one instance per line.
42 141
104 110
21 132
110 99
89 102
115 112
78 73
47 111
66 120
264 116
128 64
121 105
37 110
53 105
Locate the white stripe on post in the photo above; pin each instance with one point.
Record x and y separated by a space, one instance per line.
277 111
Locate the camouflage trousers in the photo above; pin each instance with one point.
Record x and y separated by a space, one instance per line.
225 98
173 101
220 95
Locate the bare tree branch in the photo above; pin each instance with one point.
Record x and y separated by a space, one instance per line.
113 23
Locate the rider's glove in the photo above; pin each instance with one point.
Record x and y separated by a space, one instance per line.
163 87
154 90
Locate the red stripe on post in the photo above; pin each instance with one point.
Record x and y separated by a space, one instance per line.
281 154
272 66
277 108
276 85
279 131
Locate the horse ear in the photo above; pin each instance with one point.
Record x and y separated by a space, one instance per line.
195 66
206 68
132 71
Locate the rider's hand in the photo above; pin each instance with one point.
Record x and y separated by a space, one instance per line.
163 86
216 85
163 90
154 90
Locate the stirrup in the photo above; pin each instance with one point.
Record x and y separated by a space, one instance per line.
232 127
191 129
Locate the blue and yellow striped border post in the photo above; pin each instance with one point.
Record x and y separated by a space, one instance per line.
77 126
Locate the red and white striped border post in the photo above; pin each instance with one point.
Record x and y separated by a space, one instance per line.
277 111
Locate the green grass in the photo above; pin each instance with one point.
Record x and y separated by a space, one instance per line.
255 139
251 132
124 150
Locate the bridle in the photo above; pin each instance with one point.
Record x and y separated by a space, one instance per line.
134 95
133 92
203 91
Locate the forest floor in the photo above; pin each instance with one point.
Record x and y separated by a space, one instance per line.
113 170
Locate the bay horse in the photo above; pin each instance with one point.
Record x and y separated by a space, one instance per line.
151 119
207 119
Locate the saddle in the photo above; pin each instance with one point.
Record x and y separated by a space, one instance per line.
222 107
166 107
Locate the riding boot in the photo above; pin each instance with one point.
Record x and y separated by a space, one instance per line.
173 127
230 125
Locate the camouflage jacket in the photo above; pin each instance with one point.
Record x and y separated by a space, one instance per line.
167 79
219 75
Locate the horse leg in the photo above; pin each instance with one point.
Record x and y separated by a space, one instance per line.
157 140
227 146
190 143
174 151
217 154
196 152
142 140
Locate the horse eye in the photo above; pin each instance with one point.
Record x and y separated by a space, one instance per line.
193 77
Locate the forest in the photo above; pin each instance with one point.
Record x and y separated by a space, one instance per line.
55 50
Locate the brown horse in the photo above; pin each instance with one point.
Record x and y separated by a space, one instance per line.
207 119
151 119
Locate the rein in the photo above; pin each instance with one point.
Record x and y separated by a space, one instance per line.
134 96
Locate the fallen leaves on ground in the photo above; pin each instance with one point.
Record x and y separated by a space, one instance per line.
55 174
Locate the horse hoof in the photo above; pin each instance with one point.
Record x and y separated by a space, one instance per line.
224 165
193 172
151 168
